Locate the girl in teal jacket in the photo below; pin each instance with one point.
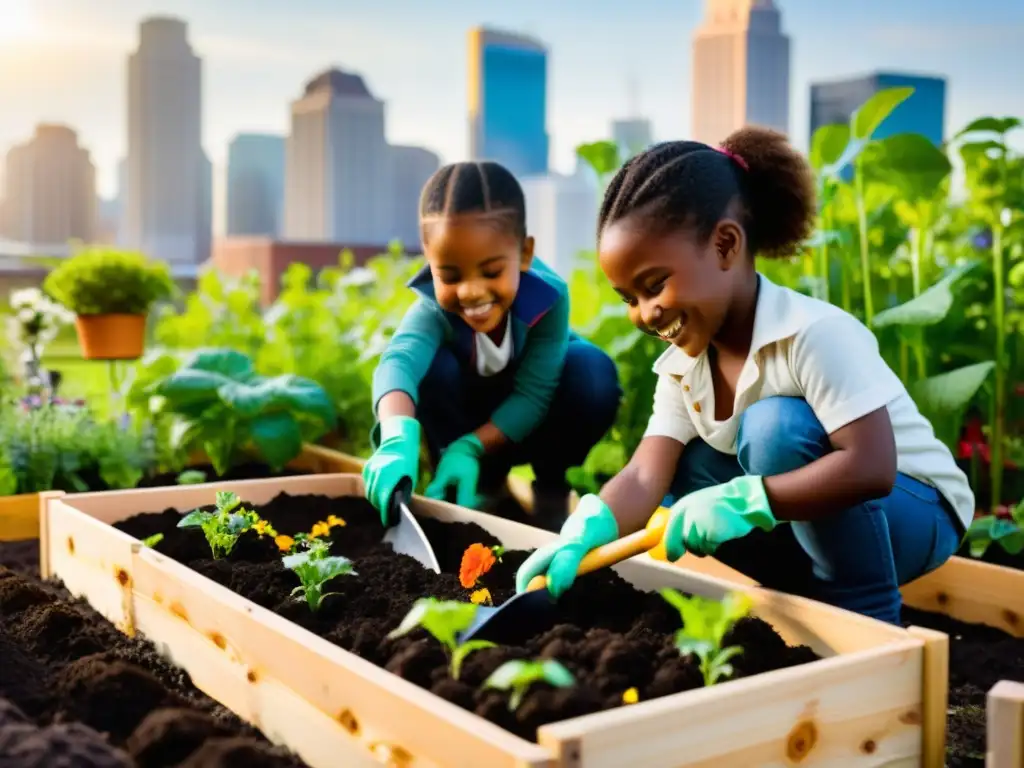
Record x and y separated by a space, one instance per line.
484 362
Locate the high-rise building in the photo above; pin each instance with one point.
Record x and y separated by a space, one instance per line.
337 163
410 169
632 134
740 69
167 182
508 83
924 112
255 185
50 189
561 214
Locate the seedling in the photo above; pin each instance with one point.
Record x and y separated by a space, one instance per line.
444 620
191 477
518 675
315 566
226 524
1007 532
705 623
152 541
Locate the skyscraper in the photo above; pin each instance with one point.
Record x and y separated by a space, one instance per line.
740 69
508 82
924 112
255 185
50 189
410 169
632 134
561 213
337 169
167 172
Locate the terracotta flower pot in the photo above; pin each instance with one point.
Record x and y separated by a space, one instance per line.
111 337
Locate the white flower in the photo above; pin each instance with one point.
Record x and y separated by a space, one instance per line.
358 277
27 314
25 297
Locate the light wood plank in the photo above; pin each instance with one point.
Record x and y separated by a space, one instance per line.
1005 707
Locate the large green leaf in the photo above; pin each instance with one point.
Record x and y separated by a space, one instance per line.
872 113
1000 125
927 309
602 156
188 388
299 396
828 145
277 437
913 164
229 363
952 391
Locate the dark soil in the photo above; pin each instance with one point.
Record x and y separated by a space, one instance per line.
76 693
979 657
611 636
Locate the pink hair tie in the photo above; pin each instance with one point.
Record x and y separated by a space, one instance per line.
734 157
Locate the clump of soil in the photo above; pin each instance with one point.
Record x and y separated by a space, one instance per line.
75 692
611 636
979 657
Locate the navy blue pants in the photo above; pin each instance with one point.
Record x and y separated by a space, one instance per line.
856 559
454 400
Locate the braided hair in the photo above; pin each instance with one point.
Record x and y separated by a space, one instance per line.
689 185
474 187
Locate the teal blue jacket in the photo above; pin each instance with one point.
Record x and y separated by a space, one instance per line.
540 336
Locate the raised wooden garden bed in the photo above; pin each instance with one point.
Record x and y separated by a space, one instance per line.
19 515
876 697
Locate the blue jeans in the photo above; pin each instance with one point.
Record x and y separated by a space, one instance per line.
855 559
455 400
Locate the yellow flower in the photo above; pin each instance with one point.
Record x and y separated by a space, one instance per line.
481 597
319 530
284 543
335 521
630 696
263 528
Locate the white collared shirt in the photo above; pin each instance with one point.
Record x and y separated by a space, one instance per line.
803 347
491 358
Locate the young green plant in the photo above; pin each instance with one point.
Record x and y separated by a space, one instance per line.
518 675
705 623
444 620
226 524
1007 533
315 566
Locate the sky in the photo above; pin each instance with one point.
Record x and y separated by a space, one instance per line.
65 61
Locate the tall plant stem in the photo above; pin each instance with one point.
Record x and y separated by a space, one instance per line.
999 410
862 227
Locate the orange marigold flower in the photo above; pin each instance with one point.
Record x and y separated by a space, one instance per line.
320 530
481 597
476 561
334 520
284 543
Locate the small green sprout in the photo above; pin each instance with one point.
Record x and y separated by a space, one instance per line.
519 675
152 541
315 566
191 477
225 525
444 619
705 623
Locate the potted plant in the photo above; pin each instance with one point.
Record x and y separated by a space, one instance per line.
110 293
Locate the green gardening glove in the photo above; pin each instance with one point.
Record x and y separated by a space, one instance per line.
397 459
459 466
592 525
702 521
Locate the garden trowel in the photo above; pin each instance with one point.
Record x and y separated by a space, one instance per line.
403 532
531 612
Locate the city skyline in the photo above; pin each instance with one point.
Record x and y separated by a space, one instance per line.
246 68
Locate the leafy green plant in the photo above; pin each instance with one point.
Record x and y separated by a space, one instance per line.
443 620
100 281
315 566
152 541
705 623
519 675
224 526
220 405
1008 533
